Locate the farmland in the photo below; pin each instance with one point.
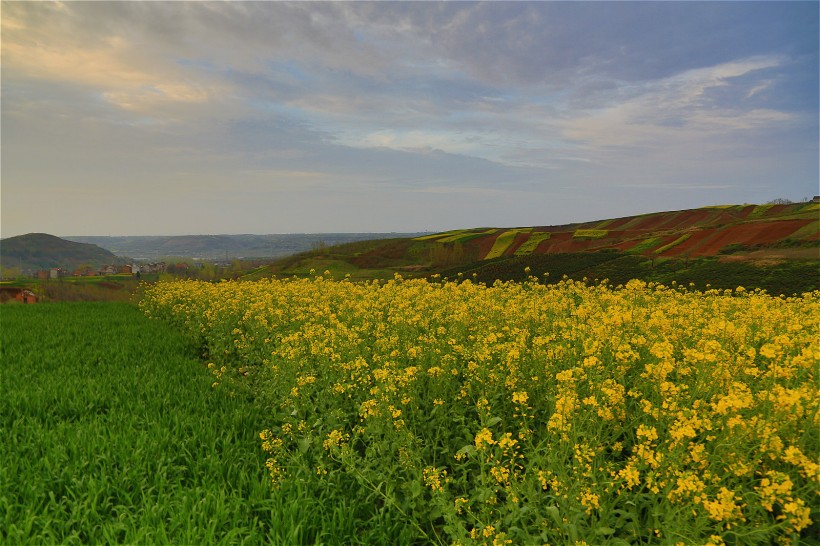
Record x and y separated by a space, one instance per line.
523 412
113 433
772 247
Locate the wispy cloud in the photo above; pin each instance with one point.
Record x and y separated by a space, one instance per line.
679 110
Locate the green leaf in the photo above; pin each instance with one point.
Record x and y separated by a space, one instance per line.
415 489
468 450
555 514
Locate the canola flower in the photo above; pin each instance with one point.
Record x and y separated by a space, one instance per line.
527 412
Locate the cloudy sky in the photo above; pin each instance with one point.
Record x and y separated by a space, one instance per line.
123 118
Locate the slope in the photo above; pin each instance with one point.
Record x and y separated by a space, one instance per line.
42 251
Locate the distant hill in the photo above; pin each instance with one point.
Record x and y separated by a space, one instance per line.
43 251
775 247
220 247
690 233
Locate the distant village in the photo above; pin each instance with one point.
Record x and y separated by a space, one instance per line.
128 269
26 295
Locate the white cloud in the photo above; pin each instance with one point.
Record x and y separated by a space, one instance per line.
677 110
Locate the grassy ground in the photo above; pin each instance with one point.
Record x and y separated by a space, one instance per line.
112 433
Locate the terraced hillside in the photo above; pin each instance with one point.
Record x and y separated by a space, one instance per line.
688 233
773 247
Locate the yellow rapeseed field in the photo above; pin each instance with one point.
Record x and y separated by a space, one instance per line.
529 413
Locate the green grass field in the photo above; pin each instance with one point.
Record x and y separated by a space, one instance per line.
112 433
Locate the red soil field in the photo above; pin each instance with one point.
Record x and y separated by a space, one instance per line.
682 219
626 245
619 222
757 233
484 244
776 210
745 211
687 247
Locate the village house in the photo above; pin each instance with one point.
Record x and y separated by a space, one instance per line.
26 296
23 295
85 272
156 267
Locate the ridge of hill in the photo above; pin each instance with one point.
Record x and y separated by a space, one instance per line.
43 251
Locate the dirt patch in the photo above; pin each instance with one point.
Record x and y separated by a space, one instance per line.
777 210
733 259
485 244
619 222
565 242
690 246
751 233
745 211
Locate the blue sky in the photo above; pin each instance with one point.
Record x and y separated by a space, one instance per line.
123 118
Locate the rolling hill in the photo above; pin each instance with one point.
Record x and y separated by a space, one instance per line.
688 233
43 251
774 247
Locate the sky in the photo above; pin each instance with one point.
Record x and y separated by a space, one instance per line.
170 118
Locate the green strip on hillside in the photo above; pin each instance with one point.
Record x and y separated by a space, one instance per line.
645 245
673 244
532 243
502 243
466 236
760 210
590 234
809 230
439 235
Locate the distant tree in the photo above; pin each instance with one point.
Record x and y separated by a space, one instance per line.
207 272
780 201
10 272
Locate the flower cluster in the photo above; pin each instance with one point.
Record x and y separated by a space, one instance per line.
524 412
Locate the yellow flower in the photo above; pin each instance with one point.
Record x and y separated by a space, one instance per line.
520 397
484 437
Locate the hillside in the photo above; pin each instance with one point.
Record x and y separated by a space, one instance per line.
692 233
42 251
774 247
